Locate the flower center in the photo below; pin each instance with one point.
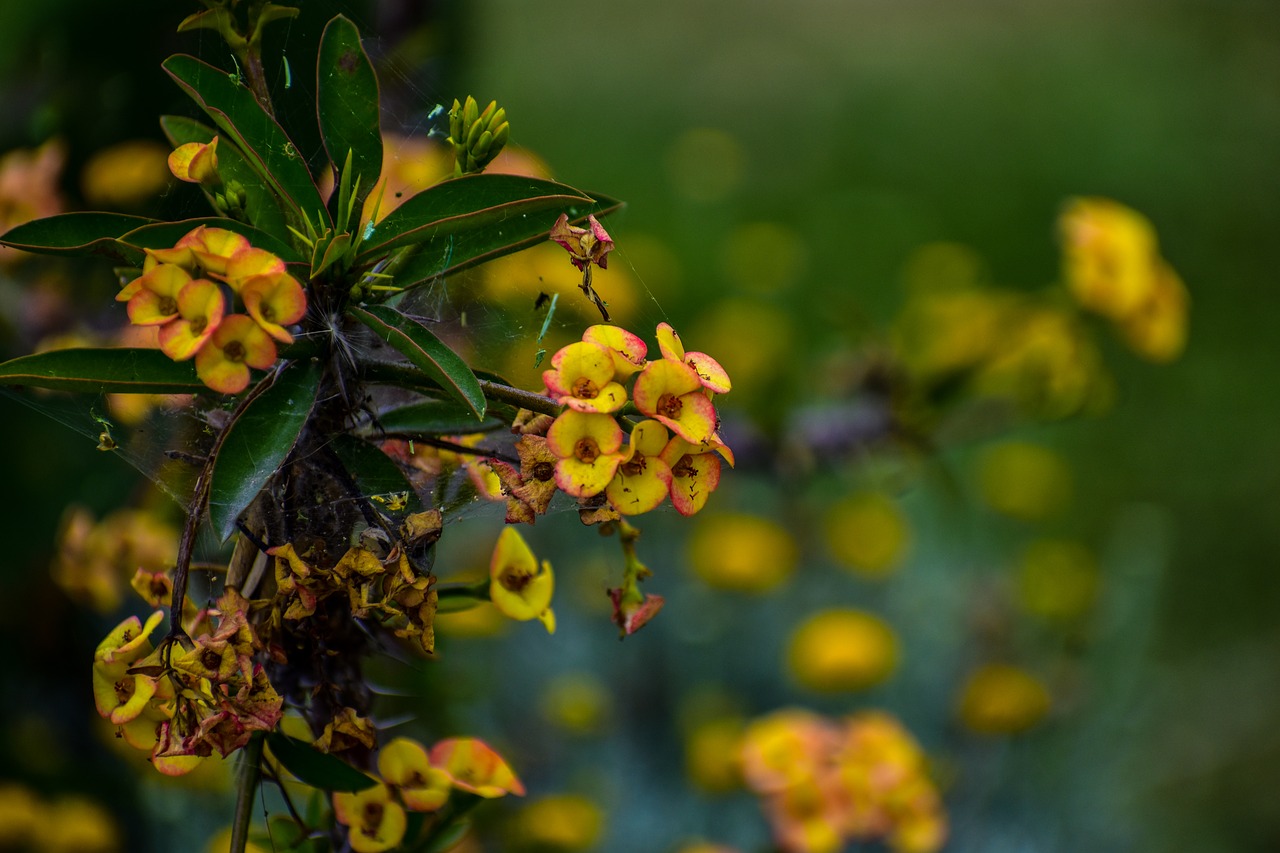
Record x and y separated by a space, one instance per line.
543 472
584 389
515 580
669 406
634 468
168 305
684 468
124 690
586 450
198 325
210 660
234 351
372 818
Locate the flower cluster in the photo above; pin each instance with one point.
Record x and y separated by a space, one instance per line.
1113 267
181 290
586 453
388 590
415 780
185 705
826 782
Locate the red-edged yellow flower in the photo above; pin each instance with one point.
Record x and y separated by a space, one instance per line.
627 350
375 822
519 587
274 301
582 378
588 450
195 162
251 262
671 392
643 478
200 309
154 295
713 376
118 695
475 767
213 248
236 345
695 473
405 765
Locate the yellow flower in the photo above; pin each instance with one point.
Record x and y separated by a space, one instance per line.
744 553
405 765
236 345
196 162
1109 255
588 448
1058 579
1156 329
517 585
643 479
1000 699
582 378
375 821
867 533
712 754
77 825
475 767
560 822
840 650
125 174
1024 480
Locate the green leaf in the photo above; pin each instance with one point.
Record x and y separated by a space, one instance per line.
78 234
161 235
260 204
315 768
449 837
494 203
374 472
103 371
347 103
257 443
426 352
434 417
443 257
267 148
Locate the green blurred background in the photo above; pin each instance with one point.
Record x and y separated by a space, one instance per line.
865 130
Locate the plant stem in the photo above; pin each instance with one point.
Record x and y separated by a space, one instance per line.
247 775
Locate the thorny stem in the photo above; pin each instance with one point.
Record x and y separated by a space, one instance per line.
195 512
251 64
247 775
385 373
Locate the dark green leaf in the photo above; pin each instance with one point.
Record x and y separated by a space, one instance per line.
260 204
426 352
267 148
449 837
435 417
160 235
442 257
80 234
347 103
315 768
374 473
494 203
257 443
103 371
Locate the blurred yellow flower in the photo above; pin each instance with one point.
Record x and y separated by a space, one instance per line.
482 620
1057 579
867 533
744 553
945 331
29 188
999 699
577 702
842 650
1109 255
751 339
1024 480
20 813
560 822
712 752
125 174
96 560
516 280
77 825
1157 328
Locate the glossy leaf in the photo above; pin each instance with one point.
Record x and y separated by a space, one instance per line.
267 148
78 234
426 352
374 472
462 205
260 204
446 256
160 235
347 104
258 442
434 417
315 768
103 371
